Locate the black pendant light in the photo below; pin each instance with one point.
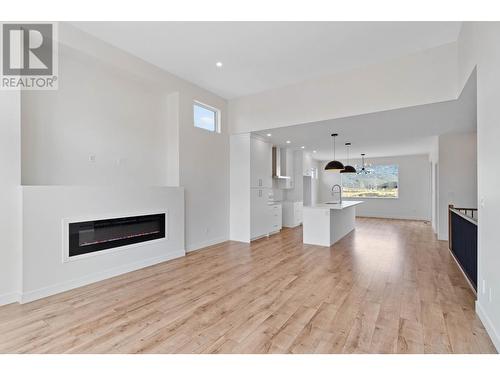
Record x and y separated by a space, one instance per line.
334 165
348 168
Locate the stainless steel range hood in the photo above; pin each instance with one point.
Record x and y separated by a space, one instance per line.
279 163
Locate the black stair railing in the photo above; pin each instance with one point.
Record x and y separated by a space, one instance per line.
462 240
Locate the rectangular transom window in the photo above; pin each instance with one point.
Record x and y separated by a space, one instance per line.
379 181
206 117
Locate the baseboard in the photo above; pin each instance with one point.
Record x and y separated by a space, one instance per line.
490 328
99 276
293 226
8 298
203 244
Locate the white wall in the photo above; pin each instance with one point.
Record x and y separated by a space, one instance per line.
98 110
414 201
479 46
425 77
457 175
118 107
204 173
10 196
45 207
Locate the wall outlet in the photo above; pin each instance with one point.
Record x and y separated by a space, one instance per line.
92 158
121 161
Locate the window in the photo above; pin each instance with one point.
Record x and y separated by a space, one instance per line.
206 117
381 181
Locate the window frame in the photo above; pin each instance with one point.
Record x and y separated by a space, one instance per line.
217 116
397 191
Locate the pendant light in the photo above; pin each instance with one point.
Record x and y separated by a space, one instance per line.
363 170
348 168
334 165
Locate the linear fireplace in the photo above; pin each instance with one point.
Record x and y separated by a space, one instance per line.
92 236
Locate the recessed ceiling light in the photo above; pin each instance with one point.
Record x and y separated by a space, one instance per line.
288 142
218 64
269 134
303 147
314 151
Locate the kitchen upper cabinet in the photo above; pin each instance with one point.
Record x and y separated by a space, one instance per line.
260 164
259 213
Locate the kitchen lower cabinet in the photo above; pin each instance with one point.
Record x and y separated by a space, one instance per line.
292 214
259 213
275 218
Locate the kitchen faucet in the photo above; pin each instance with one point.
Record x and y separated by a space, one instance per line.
339 192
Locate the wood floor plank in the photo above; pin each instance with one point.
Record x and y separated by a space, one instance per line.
387 287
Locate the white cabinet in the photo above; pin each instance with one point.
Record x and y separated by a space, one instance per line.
260 163
292 214
275 218
259 213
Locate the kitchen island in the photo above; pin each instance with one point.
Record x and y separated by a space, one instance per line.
326 223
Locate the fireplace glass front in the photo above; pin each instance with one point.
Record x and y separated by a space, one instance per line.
91 236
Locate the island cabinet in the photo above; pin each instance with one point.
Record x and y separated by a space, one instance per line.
326 223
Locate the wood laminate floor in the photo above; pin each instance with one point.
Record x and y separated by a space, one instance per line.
388 287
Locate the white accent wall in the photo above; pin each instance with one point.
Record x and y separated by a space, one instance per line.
479 47
414 201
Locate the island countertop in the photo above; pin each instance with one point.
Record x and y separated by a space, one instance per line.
335 206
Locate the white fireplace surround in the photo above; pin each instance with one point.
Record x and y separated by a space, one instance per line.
48 209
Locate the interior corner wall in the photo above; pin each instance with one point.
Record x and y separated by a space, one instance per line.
479 48
457 175
10 196
425 77
414 201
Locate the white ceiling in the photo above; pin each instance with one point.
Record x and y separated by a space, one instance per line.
406 131
258 56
